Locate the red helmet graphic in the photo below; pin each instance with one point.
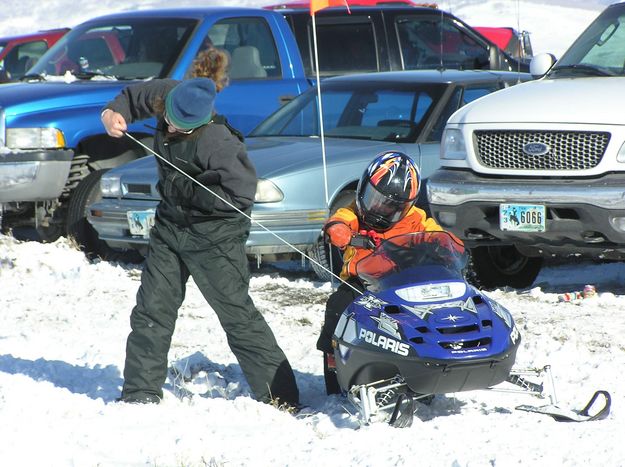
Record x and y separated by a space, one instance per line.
387 190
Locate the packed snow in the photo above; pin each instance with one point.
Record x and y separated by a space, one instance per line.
65 322
62 340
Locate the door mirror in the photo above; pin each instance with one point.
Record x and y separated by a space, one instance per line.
541 64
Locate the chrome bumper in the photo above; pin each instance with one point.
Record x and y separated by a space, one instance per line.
33 175
456 187
297 228
583 216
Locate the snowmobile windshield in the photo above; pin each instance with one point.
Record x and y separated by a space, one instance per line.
414 257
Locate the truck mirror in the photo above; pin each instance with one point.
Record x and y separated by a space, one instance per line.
494 57
541 64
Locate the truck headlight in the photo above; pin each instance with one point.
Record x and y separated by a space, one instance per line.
110 186
35 138
267 192
452 146
620 157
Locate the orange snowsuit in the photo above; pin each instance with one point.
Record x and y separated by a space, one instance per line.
415 221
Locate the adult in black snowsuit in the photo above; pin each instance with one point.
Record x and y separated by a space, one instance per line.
196 234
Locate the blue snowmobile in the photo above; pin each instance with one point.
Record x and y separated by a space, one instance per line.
421 329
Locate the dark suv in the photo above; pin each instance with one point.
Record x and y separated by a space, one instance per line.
391 36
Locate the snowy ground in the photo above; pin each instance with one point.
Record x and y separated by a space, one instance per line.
65 321
62 339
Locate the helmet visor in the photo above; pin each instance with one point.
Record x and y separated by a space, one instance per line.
381 211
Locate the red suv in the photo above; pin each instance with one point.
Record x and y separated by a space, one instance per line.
19 53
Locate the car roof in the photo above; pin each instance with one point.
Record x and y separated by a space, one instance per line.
34 35
356 4
427 76
178 13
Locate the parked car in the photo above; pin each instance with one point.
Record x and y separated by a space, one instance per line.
18 53
538 171
364 114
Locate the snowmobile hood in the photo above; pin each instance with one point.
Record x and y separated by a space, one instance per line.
543 101
464 328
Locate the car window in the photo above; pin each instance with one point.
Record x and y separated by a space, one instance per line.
345 47
370 111
21 57
461 96
250 43
142 48
427 42
472 93
394 105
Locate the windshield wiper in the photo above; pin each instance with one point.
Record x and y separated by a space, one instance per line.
84 74
33 77
581 68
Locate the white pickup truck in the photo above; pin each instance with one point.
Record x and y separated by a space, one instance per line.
538 170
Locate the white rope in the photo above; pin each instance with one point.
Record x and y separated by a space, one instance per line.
239 211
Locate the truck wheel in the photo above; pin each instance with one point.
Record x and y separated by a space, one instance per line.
52 231
321 250
499 266
86 193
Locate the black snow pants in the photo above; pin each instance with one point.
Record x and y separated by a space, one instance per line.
335 306
213 253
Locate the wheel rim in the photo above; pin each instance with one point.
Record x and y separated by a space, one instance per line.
507 260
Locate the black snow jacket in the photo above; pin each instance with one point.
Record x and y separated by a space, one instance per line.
213 154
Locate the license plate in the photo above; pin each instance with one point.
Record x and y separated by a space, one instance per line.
140 222
522 217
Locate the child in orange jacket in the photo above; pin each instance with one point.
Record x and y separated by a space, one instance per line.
384 208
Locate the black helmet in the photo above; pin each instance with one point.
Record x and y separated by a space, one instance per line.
387 190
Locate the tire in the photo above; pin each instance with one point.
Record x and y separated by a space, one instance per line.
78 228
322 250
51 232
500 266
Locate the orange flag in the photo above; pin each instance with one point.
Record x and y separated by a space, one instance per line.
316 5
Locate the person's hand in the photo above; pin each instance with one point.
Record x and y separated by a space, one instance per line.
114 123
339 234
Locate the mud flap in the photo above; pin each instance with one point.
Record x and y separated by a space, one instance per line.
567 415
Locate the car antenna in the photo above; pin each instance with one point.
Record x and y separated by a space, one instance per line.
441 41
238 210
519 38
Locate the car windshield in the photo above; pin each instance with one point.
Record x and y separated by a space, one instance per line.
380 111
599 50
137 49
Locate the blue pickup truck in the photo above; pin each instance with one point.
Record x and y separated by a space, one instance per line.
53 149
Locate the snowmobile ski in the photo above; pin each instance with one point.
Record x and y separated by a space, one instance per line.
561 414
